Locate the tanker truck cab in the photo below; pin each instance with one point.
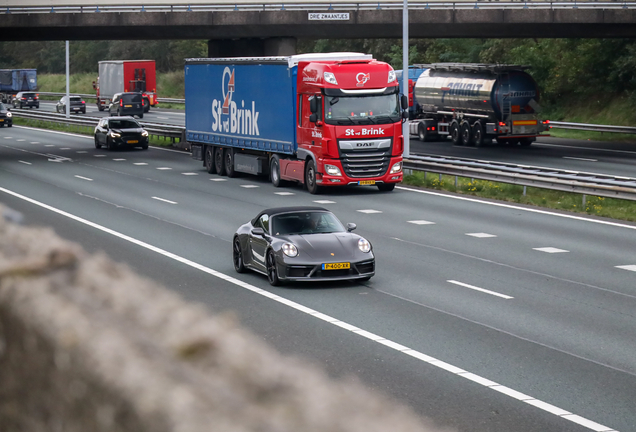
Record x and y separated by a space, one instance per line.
321 120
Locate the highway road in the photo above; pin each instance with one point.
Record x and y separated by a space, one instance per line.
600 157
483 316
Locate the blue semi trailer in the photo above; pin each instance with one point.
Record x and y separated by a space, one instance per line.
13 81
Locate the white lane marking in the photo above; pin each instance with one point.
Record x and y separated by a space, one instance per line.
514 207
82 151
249 186
472 287
369 211
20 140
188 173
50 145
65 148
84 178
581 159
35 142
550 250
164 200
8 137
26 163
99 155
164 168
400 348
119 160
140 163
163 118
284 193
630 267
481 235
218 179
421 222
586 423
324 202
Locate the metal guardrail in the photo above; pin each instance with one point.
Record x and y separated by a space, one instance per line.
593 127
92 96
162 130
523 175
37 6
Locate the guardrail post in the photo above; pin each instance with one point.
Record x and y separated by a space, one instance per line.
584 201
524 191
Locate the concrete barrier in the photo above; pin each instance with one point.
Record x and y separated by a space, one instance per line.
87 345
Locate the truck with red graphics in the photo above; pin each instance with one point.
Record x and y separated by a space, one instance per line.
120 76
321 120
474 104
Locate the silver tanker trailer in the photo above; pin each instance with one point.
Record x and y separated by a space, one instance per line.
476 103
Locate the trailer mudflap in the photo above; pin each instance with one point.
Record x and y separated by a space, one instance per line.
197 151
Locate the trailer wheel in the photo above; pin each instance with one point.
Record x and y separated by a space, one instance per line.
454 133
210 167
466 136
228 157
310 178
218 161
525 142
478 134
421 132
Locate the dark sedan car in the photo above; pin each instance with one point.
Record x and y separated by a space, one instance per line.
302 244
77 105
127 104
26 99
6 118
114 132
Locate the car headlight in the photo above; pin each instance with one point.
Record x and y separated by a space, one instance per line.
9 114
396 168
364 245
290 250
332 170
114 134
144 133
392 76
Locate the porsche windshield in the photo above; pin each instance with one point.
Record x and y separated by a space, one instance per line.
364 109
306 223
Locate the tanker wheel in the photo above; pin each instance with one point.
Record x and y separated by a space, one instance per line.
218 161
478 134
466 136
454 133
210 167
422 132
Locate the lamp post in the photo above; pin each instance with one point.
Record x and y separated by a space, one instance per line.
405 71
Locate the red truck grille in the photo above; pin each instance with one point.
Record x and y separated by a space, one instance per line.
365 163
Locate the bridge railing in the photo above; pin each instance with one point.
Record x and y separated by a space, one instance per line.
101 6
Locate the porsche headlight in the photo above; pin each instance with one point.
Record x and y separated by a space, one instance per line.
290 250
364 245
396 168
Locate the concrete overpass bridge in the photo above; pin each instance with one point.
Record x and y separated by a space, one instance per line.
239 27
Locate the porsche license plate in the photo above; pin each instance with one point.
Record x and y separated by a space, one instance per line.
366 182
133 141
336 266
127 106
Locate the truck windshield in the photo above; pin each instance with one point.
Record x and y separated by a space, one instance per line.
365 109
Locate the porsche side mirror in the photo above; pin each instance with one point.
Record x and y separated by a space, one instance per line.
258 232
351 226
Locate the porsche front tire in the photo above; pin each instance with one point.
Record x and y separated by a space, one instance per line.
272 271
237 256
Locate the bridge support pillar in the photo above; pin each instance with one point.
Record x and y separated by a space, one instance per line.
254 47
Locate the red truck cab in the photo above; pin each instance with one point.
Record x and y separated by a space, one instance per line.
349 125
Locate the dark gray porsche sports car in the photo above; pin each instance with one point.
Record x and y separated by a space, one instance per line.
302 244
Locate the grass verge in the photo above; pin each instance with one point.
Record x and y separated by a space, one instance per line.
573 202
82 130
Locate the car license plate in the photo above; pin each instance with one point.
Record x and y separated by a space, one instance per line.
336 266
133 142
127 106
366 182
1 120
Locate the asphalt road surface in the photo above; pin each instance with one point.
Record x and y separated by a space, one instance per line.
482 316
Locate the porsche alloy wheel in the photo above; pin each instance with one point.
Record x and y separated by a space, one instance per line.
237 256
272 272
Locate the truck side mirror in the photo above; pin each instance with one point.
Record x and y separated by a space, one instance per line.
94 86
313 105
405 102
405 114
313 118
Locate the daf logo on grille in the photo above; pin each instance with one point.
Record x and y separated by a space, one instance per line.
367 144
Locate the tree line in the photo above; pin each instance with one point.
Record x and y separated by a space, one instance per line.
562 67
